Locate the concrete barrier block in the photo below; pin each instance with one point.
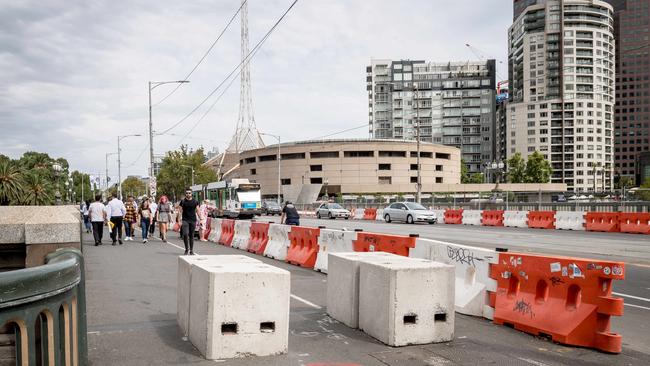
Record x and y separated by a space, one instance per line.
215 230
570 220
407 301
343 284
515 218
472 217
242 234
278 243
333 241
53 225
238 310
184 278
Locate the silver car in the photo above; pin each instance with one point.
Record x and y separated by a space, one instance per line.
332 211
409 212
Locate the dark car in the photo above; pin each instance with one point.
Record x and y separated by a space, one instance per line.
271 208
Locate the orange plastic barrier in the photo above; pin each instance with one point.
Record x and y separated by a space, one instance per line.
259 237
636 223
602 221
569 299
371 242
370 214
303 246
492 218
541 219
227 232
208 228
454 217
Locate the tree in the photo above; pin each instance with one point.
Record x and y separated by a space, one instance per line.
37 190
516 169
464 172
476 178
175 176
538 169
623 181
78 178
644 194
133 186
11 182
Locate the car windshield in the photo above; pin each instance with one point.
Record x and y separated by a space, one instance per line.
415 206
335 206
272 204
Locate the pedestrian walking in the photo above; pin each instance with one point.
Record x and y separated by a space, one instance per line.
291 213
97 217
84 211
188 213
130 218
116 211
154 210
144 212
203 209
164 217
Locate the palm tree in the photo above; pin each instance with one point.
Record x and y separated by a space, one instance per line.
11 185
36 190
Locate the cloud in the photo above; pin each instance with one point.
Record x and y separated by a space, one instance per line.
75 73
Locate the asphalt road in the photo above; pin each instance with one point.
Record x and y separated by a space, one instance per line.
131 293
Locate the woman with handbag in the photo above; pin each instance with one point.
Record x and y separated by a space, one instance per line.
130 218
145 219
164 216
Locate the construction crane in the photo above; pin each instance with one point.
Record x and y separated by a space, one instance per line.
478 53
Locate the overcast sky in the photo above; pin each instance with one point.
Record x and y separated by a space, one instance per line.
73 74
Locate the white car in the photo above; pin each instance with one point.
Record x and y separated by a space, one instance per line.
332 211
409 212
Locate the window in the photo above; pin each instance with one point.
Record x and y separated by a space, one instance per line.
438 168
316 168
249 160
253 171
293 156
384 167
285 181
438 179
423 154
316 180
398 154
414 167
414 179
268 157
385 180
323 154
358 154
443 156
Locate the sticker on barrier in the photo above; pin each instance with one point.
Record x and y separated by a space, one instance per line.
333 241
215 230
278 242
242 234
259 237
227 232
303 247
568 220
541 219
634 222
454 217
472 217
602 221
492 218
515 218
372 242
568 299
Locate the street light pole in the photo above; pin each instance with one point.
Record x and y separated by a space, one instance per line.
152 86
279 165
107 155
191 167
119 164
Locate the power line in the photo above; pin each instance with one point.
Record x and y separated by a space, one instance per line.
205 54
340 132
247 59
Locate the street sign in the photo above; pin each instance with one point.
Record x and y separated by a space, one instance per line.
152 186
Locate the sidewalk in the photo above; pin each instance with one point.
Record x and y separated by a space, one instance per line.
131 292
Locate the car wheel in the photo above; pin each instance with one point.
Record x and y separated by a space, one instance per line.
431 222
329 215
409 219
387 218
318 215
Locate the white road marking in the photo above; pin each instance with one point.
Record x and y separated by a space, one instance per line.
630 296
536 363
637 306
305 302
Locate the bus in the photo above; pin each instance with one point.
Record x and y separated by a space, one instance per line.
235 198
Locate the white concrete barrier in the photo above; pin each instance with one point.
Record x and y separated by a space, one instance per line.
333 241
440 215
343 284
569 220
358 213
239 309
380 215
472 273
184 278
215 230
278 243
407 301
472 217
242 234
515 218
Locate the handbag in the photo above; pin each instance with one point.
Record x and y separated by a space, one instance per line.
177 227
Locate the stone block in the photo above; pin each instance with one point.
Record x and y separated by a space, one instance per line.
405 302
184 277
53 224
12 223
239 309
35 253
343 284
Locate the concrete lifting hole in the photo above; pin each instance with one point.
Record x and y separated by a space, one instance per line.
267 327
410 319
442 317
228 328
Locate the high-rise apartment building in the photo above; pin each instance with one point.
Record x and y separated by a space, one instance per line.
561 79
454 103
632 109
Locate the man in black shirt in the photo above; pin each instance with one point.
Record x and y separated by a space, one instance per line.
291 213
189 213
